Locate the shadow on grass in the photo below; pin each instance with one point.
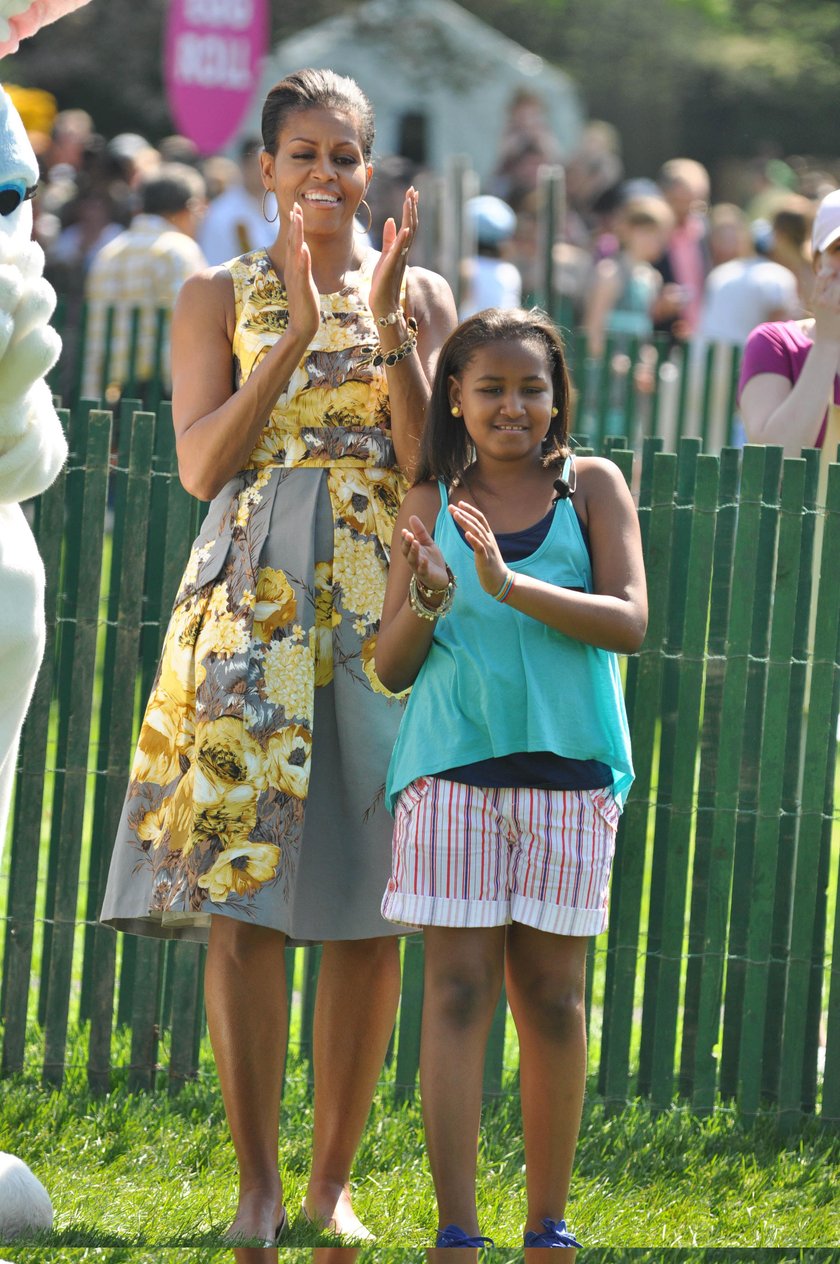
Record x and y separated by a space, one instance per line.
62 1252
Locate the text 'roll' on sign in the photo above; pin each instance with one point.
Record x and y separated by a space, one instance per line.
212 60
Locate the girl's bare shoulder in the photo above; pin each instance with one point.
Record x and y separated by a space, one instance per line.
599 482
424 500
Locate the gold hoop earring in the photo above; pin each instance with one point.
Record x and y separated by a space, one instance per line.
276 215
455 410
370 216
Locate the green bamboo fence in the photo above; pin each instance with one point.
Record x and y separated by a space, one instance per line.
717 980
694 394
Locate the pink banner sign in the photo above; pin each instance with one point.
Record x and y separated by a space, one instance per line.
212 63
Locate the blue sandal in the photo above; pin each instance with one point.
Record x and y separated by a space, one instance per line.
452 1235
555 1234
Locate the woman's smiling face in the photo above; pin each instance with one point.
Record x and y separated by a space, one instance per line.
319 163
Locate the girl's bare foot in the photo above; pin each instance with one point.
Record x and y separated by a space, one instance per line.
331 1208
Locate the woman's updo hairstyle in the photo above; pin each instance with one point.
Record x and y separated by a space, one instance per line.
316 90
446 448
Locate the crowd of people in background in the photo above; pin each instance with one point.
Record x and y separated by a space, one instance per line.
124 222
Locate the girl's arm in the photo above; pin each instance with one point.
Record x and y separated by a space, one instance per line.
603 295
776 411
614 616
216 426
404 639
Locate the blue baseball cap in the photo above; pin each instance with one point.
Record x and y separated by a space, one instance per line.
494 221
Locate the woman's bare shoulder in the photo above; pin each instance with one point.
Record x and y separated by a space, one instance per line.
429 292
207 297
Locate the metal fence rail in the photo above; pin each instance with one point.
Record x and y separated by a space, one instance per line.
719 975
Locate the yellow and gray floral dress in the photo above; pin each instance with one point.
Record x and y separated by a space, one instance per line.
232 807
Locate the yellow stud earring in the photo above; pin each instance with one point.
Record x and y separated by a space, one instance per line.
456 412
555 411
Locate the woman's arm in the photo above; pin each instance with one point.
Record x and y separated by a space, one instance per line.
773 409
614 616
404 638
429 300
216 427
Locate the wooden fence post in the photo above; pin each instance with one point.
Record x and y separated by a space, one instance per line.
819 744
125 608
759 910
29 795
690 665
719 601
81 656
670 649
726 781
631 844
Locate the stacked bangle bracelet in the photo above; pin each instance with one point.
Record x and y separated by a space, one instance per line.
389 358
506 588
419 596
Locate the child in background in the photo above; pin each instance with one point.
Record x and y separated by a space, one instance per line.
624 289
490 280
507 603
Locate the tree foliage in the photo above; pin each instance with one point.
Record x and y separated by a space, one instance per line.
705 77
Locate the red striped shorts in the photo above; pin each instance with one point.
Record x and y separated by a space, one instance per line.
482 856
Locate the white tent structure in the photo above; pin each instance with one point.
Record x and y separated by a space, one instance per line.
439 78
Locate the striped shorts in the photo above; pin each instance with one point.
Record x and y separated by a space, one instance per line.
481 856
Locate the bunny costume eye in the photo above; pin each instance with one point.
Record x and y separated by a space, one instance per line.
13 193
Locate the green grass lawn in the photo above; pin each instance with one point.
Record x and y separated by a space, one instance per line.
150 1171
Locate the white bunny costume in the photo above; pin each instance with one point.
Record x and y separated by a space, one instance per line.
32 444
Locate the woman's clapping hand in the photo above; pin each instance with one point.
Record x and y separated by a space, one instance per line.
301 290
386 282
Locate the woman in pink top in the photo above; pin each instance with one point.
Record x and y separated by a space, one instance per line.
790 369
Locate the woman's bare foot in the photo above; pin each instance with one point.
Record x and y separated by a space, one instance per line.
331 1208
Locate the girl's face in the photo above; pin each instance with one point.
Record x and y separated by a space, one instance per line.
319 163
505 394
646 241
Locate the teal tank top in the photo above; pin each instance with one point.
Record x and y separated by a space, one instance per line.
497 682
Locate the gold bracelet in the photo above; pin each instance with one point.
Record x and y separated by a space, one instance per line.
427 592
391 318
424 611
389 358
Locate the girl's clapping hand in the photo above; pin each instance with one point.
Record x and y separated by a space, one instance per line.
489 563
423 555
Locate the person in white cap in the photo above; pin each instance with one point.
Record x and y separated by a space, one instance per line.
791 369
490 280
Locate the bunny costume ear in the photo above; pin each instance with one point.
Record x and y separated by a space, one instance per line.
21 18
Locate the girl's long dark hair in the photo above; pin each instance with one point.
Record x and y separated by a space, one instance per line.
446 449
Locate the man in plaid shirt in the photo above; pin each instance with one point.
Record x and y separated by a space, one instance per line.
142 270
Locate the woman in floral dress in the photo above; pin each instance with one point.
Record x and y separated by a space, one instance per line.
254 814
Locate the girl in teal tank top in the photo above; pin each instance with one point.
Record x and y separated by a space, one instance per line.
517 580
